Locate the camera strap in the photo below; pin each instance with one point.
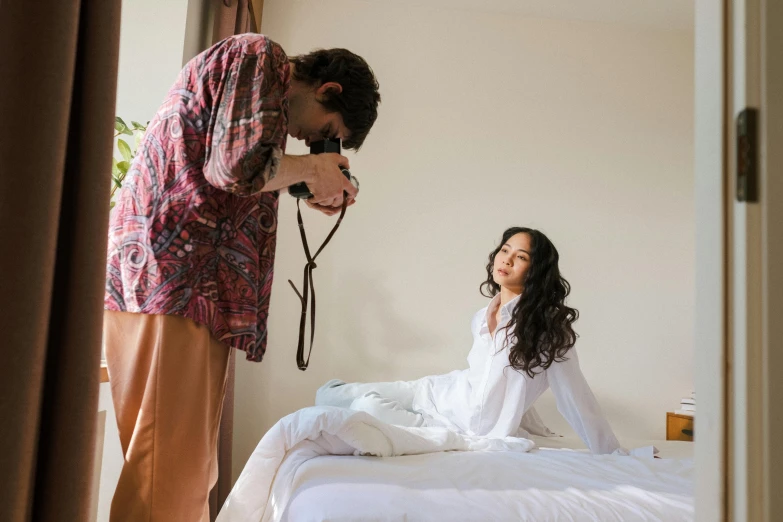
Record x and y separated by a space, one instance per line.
308 289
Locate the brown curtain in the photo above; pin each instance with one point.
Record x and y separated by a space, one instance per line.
231 17
234 17
58 78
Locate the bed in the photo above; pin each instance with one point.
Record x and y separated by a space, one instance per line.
550 482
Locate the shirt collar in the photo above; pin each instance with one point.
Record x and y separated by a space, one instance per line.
505 311
509 307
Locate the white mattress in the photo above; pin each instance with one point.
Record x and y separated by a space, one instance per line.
543 485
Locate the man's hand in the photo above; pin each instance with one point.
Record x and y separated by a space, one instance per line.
326 181
329 211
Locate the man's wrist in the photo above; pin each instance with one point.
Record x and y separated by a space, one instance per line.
300 167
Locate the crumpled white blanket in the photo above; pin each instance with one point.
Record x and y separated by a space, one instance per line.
265 486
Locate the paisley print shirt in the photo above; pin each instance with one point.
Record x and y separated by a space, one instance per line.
191 233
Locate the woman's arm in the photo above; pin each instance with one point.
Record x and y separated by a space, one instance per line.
576 402
533 424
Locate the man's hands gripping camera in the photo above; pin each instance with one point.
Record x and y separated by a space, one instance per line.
322 173
328 184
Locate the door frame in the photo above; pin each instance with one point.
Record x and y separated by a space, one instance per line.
711 242
739 254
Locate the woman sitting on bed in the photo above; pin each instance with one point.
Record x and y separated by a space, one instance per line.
523 343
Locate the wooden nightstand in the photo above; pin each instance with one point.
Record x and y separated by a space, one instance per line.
679 427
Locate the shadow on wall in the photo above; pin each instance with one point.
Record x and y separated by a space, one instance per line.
612 409
381 340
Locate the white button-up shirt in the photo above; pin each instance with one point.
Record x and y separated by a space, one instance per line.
490 397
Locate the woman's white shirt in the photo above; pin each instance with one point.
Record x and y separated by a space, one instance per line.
490 397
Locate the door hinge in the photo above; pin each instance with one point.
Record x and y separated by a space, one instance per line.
747 156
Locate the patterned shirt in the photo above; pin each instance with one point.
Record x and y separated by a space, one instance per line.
191 234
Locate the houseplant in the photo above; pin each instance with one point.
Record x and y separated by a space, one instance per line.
124 153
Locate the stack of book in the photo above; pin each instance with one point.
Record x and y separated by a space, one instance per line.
688 405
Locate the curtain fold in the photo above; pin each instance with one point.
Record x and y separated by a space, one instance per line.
234 17
58 74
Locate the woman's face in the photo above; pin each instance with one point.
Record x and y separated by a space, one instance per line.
512 262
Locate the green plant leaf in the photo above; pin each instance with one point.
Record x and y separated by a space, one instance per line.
138 126
111 205
121 126
123 166
114 170
117 181
125 149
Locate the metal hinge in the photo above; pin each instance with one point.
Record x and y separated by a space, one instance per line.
747 156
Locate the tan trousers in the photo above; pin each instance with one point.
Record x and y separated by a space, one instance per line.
168 378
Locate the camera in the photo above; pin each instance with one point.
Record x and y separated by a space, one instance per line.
300 190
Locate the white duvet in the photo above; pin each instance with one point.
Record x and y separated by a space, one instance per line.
264 488
543 485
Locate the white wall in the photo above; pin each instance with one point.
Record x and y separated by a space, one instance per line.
152 35
582 129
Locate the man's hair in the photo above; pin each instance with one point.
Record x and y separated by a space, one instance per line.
359 99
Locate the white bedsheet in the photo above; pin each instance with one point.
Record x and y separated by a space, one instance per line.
668 449
543 485
263 489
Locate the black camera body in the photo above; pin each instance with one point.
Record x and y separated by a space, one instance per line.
300 190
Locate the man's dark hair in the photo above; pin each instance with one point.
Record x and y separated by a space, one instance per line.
357 103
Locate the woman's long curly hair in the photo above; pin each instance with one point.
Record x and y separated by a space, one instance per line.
541 324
